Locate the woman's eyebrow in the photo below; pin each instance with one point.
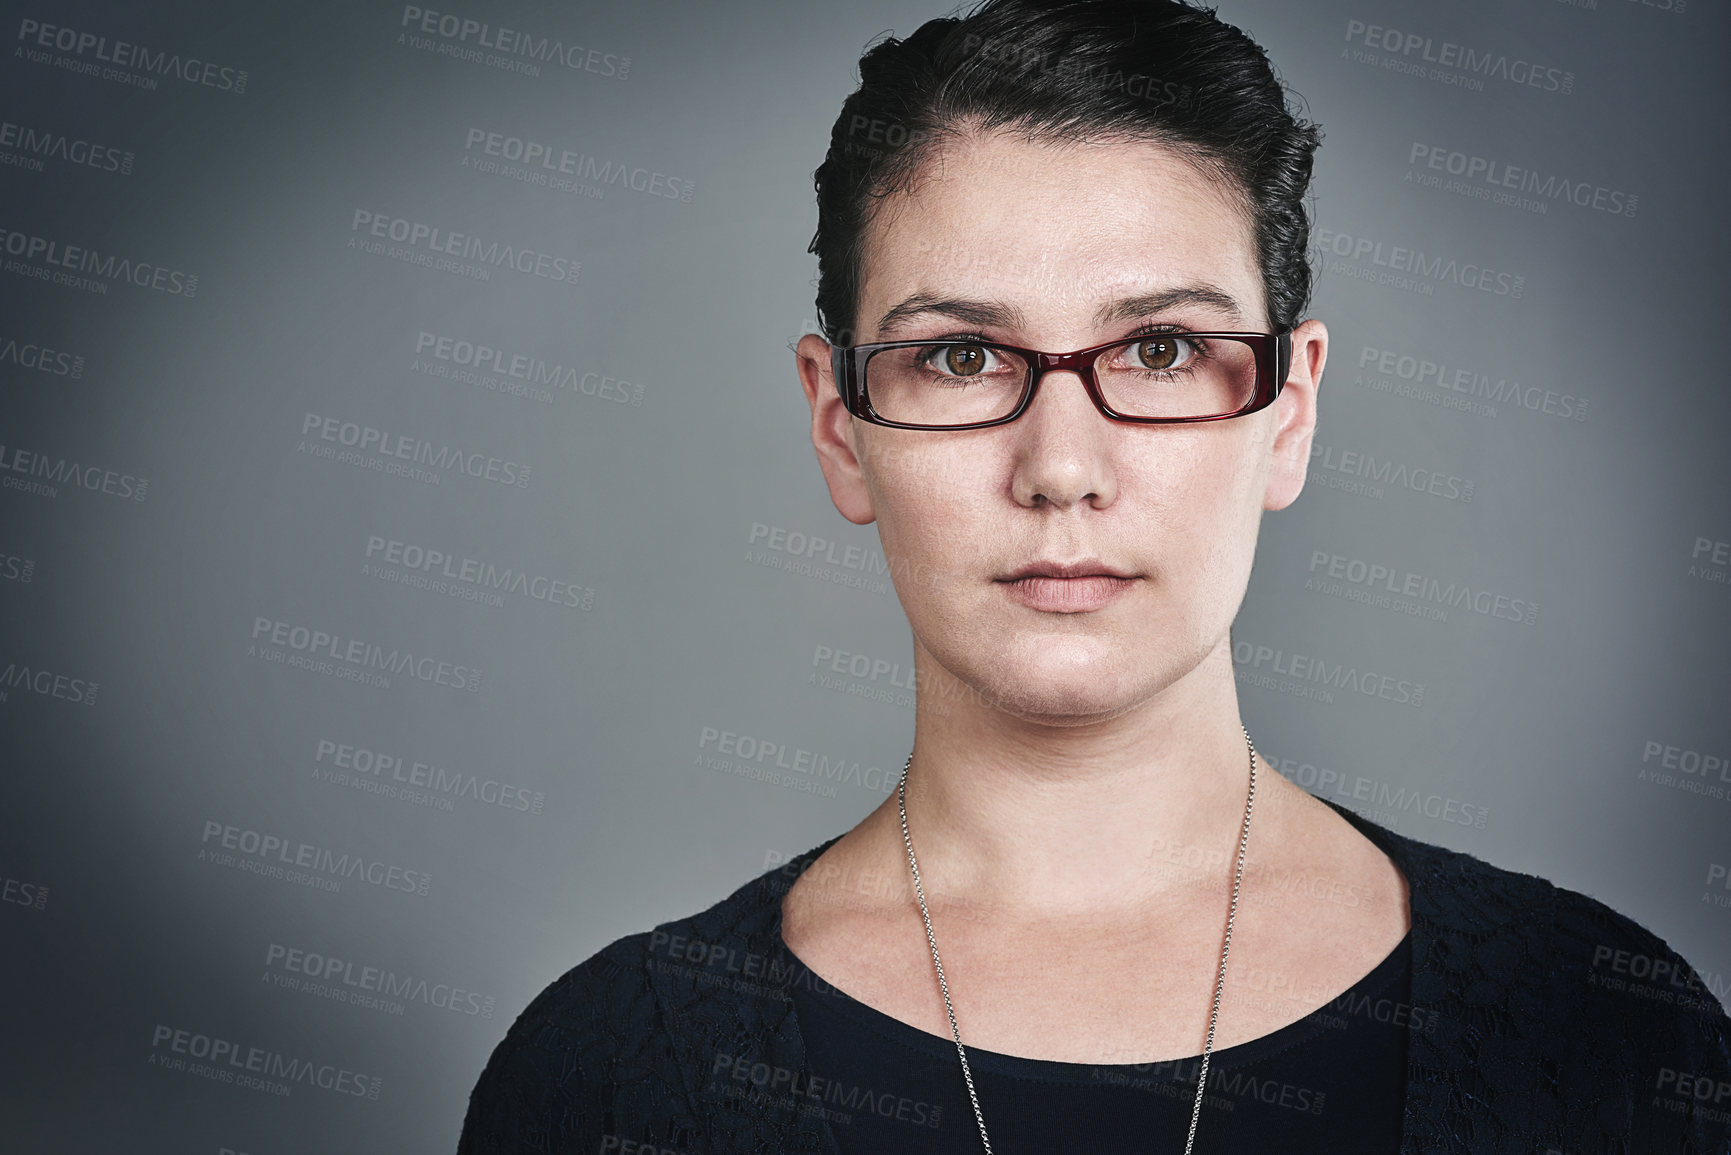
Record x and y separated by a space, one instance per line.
980 313
983 313
1130 308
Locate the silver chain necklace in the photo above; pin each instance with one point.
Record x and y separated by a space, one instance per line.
1219 979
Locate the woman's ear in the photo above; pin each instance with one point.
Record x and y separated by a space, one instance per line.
833 430
1295 421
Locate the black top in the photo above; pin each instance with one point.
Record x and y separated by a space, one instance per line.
1333 1082
1551 1022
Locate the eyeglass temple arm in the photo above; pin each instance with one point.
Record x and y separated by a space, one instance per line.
838 368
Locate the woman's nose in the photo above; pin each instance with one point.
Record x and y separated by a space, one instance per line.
1063 446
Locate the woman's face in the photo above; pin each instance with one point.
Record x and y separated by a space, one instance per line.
1060 247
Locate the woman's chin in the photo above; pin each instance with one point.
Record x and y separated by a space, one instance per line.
1057 694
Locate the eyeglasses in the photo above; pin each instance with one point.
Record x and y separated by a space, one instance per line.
1154 378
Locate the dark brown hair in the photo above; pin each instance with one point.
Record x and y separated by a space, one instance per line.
1155 70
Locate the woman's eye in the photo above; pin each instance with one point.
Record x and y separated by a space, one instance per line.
1162 353
963 360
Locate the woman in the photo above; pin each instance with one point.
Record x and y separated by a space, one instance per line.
1062 257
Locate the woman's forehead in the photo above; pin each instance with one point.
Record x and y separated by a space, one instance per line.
1075 224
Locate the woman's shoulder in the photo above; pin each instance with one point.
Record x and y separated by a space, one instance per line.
1489 927
731 937
1463 894
612 1037
552 1067
1548 1011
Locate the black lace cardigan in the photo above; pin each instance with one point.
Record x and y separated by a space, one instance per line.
1561 1028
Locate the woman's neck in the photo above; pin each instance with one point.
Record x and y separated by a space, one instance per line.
1040 817
1079 878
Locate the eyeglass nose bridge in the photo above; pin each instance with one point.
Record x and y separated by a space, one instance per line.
1080 363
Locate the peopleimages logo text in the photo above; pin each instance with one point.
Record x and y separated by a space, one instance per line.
47 683
527 46
464 246
1400 259
1392 579
124 54
45 143
534 371
1471 382
30 355
379 981
227 1061
53 471
563 162
403 447
367 655
340 760
475 572
109 267
1502 175
275 850
1485 63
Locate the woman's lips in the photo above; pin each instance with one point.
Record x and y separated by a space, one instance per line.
1068 595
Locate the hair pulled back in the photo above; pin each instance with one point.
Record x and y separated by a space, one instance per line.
1054 70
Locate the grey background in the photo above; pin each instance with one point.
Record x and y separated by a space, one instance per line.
1542 735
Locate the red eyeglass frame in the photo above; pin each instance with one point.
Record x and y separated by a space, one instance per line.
1273 352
